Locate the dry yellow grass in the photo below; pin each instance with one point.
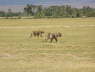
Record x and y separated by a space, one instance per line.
74 52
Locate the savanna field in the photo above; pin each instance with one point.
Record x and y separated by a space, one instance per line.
74 51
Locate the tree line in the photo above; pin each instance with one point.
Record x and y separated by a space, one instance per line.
9 13
39 11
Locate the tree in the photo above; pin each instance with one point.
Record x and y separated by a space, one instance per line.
58 11
2 13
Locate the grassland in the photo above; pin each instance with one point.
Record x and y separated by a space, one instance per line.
74 52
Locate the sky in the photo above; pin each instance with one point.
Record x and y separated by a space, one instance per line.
17 5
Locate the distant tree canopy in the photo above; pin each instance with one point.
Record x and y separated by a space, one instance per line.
2 13
39 11
58 11
9 13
